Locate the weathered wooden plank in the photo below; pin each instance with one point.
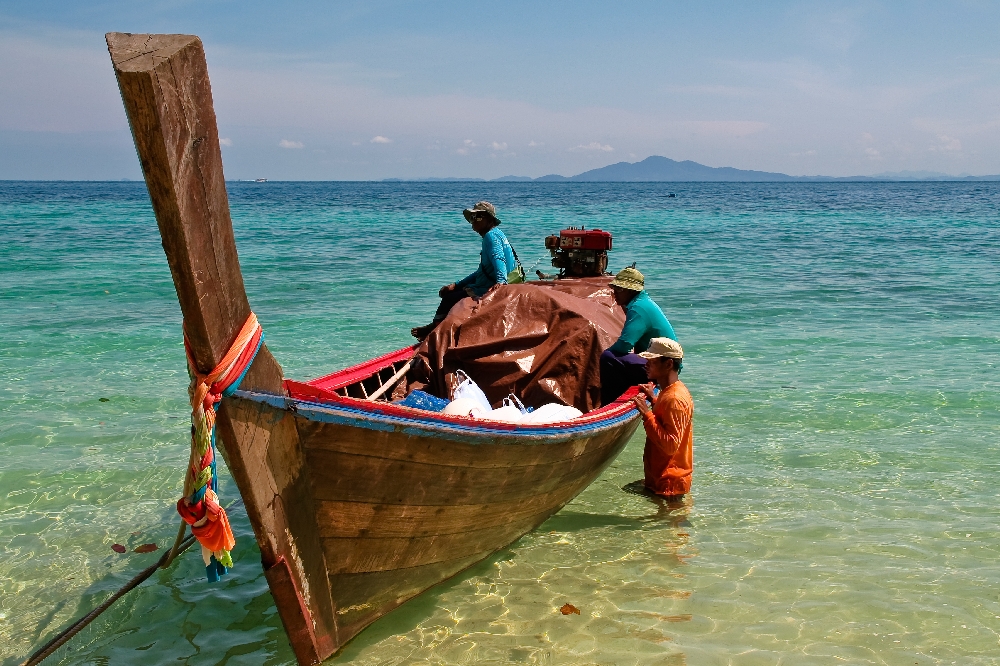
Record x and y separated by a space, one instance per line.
353 478
278 484
362 555
503 450
362 598
168 100
361 519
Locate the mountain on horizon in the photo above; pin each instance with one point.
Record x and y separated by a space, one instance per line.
658 169
664 169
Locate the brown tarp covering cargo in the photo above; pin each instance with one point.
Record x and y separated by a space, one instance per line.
541 341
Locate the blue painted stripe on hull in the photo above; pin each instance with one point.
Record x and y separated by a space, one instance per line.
429 427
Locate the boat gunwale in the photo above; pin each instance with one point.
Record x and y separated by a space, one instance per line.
320 393
350 375
389 417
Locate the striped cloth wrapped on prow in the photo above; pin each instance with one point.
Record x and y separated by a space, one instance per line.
200 507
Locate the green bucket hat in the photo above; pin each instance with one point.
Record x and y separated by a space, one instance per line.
629 278
481 207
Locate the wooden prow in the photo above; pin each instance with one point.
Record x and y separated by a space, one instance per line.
168 99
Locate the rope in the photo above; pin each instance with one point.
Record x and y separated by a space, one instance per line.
72 630
75 628
537 261
200 506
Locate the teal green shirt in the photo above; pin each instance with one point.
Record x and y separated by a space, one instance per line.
644 320
495 262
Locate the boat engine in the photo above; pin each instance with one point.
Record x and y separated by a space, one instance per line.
580 252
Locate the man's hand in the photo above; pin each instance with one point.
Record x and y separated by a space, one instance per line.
645 392
648 390
445 289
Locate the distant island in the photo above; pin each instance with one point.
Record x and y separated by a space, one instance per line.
657 169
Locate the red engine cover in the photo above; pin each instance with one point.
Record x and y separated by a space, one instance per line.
584 239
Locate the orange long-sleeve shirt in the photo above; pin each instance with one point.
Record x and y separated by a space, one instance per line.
669 455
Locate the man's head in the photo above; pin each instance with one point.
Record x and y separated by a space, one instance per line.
663 360
627 285
482 217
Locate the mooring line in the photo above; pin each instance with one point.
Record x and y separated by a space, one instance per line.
72 630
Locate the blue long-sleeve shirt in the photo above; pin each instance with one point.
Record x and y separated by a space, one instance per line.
495 261
644 320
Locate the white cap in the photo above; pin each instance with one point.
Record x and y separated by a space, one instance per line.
663 347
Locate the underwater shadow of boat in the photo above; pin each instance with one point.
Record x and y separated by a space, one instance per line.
575 521
411 614
414 612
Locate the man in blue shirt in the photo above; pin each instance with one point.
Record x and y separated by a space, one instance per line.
621 365
496 261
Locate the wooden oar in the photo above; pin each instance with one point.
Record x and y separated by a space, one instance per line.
392 380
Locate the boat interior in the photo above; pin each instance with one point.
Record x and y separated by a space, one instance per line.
380 377
380 381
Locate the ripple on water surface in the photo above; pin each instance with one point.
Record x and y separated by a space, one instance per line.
842 344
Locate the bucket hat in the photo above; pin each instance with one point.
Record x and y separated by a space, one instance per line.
481 207
663 347
629 278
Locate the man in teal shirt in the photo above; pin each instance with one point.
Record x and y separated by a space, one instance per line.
621 365
496 261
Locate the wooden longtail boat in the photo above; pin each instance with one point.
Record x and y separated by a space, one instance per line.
357 505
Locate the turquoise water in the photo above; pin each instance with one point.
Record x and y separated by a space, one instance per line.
842 347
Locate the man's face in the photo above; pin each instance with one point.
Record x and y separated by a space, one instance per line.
658 369
622 295
481 223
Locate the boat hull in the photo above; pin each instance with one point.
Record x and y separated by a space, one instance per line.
403 502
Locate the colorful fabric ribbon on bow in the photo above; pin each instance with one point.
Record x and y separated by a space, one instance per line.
200 506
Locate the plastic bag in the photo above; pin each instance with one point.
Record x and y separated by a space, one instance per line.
511 411
469 389
553 412
419 400
505 414
512 401
466 407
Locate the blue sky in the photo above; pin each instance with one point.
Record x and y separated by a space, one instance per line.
363 90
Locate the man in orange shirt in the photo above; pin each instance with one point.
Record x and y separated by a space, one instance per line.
668 457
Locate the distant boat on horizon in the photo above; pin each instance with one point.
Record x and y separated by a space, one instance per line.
260 180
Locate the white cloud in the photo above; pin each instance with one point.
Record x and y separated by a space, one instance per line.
226 142
594 145
754 136
285 143
380 139
789 98
719 128
498 146
948 144
804 153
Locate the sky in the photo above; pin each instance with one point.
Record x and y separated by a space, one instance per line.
394 89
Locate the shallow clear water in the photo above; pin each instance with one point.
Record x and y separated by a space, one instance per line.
842 347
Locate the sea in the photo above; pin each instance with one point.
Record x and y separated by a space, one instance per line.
842 346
